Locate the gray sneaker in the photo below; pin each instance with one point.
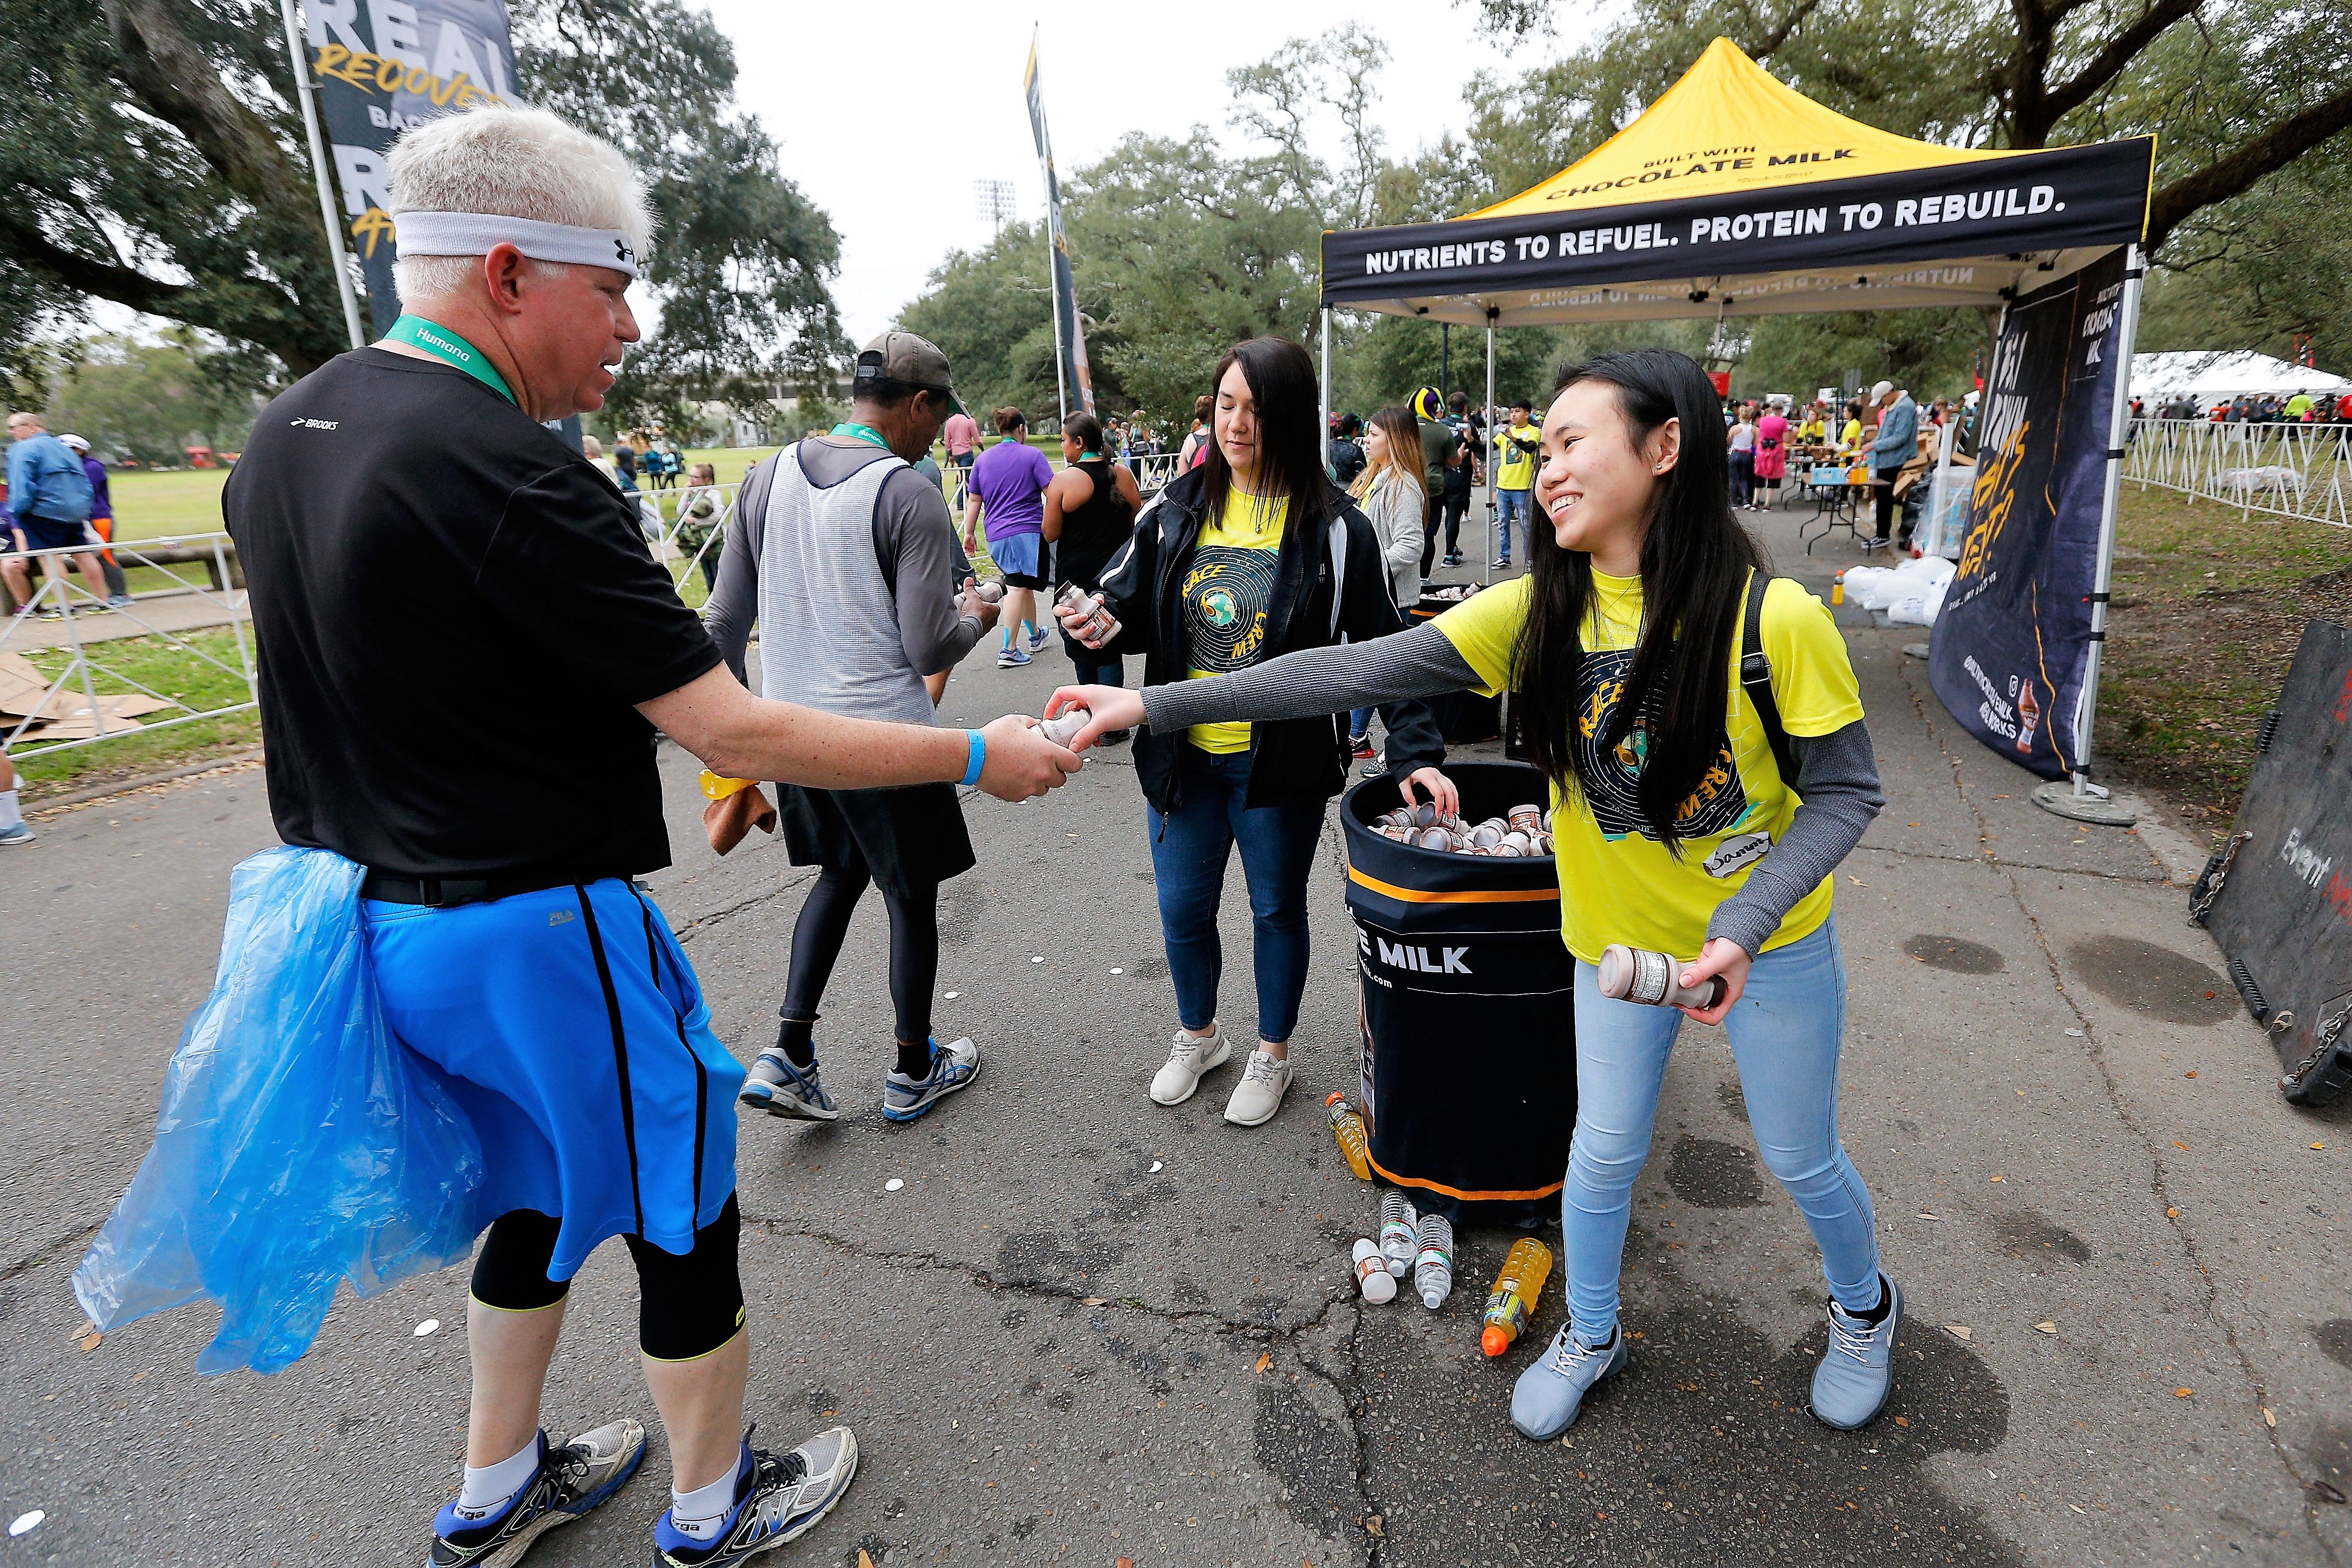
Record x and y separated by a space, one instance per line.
1551 1392
1857 1371
775 1085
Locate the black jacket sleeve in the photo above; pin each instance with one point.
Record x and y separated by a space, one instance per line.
1127 580
1368 611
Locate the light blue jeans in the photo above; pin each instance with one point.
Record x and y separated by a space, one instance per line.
1509 505
1785 1030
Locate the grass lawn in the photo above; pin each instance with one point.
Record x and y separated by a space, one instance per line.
169 671
2208 609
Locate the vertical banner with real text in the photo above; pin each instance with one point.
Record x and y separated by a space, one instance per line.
380 66
2007 654
1069 336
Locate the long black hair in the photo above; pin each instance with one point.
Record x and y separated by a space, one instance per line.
1282 383
1695 559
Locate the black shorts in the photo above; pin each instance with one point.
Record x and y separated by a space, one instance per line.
1024 580
909 839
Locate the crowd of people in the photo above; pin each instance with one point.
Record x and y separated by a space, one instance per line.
1267 597
2300 407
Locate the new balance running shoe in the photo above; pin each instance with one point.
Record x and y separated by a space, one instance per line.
775 1085
953 1067
570 1481
778 1498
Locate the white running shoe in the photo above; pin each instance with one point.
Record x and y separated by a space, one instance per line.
1188 1058
1265 1079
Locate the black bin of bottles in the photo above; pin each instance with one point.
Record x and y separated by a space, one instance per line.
1467 1001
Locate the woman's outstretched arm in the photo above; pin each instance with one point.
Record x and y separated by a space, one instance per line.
1421 662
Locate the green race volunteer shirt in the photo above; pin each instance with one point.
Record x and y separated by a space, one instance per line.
1617 883
455 613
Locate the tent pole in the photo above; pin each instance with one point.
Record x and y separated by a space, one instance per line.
1326 424
296 58
2082 800
1491 313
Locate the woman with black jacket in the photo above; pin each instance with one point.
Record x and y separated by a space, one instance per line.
1252 554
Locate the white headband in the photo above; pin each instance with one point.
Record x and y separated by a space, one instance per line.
474 234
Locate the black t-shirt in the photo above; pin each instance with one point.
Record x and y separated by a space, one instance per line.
455 613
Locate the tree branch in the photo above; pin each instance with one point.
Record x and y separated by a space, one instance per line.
1779 34
24 244
177 84
2057 103
2225 177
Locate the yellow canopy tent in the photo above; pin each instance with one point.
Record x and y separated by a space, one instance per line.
1735 195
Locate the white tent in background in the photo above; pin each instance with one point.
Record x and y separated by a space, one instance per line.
2210 375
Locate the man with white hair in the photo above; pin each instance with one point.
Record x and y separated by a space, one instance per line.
49 495
491 764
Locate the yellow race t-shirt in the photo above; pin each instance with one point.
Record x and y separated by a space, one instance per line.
1225 596
1515 469
1616 882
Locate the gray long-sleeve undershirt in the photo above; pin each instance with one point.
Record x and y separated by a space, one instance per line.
914 539
1837 775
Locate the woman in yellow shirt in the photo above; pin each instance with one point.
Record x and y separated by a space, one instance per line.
1685 819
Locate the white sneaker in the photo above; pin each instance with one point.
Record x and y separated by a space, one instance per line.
1188 1059
1264 1080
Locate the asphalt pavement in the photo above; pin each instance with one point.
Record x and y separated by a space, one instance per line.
1088 1328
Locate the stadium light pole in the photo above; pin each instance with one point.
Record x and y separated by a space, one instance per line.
294 58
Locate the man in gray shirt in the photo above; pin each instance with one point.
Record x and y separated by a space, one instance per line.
848 560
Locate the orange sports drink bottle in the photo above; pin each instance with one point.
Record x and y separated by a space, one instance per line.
1512 1301
1349 1129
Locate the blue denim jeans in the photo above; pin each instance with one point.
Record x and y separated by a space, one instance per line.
1785 1030
1189 850
1510 504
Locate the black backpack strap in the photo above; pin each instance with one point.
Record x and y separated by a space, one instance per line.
1756 678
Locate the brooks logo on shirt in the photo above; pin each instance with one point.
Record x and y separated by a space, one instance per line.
313 424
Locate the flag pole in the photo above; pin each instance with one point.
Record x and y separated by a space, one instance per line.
296 57
2079 799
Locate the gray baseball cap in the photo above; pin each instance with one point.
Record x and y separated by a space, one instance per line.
907 358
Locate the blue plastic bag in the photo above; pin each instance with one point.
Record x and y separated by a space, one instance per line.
299 1144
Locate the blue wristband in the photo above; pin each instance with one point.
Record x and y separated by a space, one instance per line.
978 758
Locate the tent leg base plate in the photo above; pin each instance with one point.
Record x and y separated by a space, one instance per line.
2090 805
1915 649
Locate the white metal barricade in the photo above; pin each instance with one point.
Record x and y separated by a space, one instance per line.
2302 471
69 701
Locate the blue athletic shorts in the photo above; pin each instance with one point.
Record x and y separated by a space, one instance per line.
576 1037
53 533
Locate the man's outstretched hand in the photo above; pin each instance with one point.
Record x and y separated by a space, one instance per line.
1021 763
1113 707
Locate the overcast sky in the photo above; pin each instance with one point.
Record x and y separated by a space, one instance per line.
886 113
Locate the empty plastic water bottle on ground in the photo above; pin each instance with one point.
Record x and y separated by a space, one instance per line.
1373 1274
1400 1231
1512 1301
1433 1268
1349 1129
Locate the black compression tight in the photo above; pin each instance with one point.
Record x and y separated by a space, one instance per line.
817 936
688 1306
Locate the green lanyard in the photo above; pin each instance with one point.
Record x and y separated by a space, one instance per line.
861 433
449 349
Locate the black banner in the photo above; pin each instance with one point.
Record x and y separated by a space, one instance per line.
2008 652
408 61
2055 200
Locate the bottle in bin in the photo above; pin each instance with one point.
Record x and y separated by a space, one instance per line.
1512 1301
1349 1129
